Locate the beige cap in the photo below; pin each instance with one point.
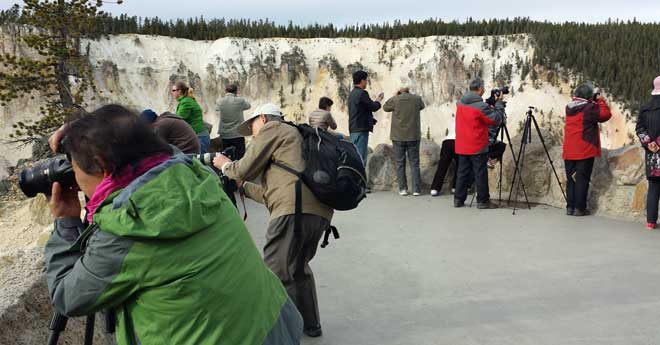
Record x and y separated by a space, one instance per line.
266 109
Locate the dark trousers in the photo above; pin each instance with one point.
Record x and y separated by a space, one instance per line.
411 150
238 143
469 166
578 176
652 199
496 150
447 155
288 255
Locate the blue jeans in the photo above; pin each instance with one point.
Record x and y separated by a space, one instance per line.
204 143
410 149
361 142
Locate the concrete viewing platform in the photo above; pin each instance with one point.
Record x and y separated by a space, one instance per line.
415 270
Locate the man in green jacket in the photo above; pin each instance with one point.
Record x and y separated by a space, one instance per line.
165 249
406 134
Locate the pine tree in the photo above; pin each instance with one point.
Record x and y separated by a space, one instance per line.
60 26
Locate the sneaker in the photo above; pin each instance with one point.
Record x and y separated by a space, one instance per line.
581 213
453 190
313 331
491 163
651 226
458 203
434 192
488 205
403 192
570 211
417 194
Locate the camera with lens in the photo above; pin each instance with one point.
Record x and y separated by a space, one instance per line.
207 158
496 93
40 178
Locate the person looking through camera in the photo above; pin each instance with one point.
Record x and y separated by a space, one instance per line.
161 245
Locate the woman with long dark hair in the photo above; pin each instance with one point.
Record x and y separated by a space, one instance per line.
163 248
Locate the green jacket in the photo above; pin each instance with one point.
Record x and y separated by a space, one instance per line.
170 255
189 110
405 110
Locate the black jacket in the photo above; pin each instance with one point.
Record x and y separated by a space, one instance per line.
648 130
360 111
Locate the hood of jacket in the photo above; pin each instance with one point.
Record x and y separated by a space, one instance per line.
470 98
175 199
577 105
652 105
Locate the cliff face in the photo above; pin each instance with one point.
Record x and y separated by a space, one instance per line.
139 70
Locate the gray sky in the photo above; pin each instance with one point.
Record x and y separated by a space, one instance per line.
341 12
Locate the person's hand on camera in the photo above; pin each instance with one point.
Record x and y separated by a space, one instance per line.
220 160
380 97
55 138
500 97
64 203
653 147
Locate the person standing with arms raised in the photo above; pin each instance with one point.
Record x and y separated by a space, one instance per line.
360 113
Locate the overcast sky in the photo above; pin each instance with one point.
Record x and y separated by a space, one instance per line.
341 12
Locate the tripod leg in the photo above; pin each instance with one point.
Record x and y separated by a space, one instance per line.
552 165
57 325
521 160
515 161
89 329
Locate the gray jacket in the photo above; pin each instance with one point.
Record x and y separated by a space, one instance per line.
231 109
405 110
323 119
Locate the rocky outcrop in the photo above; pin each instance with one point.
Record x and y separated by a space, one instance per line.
618 184
25 309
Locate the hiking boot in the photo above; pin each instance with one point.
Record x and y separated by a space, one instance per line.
570 211
403 192
651 226
579 213
458 203
434 192
313 331
486 205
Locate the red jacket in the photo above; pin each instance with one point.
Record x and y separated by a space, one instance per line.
473 117
581 132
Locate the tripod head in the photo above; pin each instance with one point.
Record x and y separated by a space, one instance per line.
531 110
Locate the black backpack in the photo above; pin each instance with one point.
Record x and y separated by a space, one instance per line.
334 172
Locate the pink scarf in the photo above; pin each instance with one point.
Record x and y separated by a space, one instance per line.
110 185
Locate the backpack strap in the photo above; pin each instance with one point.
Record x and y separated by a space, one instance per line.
335 233
297 218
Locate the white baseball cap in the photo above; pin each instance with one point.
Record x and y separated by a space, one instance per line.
265 109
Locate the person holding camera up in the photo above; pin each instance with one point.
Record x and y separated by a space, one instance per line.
230 110
473 119
406 133
286 252
164 248
582 145
360 113
648 131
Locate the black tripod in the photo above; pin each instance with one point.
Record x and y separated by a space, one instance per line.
527 138
502 131
58 324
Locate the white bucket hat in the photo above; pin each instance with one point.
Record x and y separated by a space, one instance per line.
265 109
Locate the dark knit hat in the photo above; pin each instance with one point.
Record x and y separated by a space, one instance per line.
359 76
149 115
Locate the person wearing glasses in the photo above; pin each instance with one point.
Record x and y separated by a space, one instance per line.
189 110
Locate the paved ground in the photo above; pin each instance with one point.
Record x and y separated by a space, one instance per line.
413 270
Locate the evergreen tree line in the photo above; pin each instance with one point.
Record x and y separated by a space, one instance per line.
620 57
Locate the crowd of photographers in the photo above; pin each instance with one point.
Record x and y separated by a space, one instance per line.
160 239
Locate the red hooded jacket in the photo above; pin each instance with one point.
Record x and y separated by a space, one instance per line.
473 117
581 132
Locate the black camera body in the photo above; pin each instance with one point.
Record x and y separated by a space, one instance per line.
496 93
40 178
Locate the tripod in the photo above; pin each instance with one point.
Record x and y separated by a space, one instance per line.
58 324
527 138
502 131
